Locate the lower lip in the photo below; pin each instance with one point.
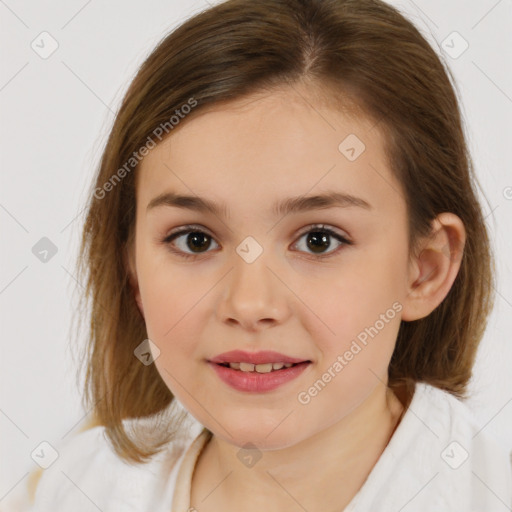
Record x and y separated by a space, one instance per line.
258 382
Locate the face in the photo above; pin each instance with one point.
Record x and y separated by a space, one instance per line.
323 285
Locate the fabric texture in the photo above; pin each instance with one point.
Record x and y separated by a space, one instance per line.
437 459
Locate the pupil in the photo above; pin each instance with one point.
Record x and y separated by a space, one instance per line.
317 237
200 238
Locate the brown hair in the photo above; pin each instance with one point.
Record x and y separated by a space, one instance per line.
359 52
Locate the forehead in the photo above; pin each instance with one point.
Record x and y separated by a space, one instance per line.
280 144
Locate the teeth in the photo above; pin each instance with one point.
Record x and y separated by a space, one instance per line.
263 368
260 368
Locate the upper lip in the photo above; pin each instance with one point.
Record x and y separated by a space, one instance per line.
262 357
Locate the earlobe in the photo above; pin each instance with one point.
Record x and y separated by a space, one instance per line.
435 268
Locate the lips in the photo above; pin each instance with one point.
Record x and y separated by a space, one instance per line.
256 382
262 357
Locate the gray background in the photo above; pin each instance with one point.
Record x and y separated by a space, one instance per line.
55 114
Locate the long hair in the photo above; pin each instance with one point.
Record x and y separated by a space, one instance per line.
359 52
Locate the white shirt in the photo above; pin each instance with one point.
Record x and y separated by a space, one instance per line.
438 460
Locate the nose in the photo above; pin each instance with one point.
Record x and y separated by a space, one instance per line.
254 296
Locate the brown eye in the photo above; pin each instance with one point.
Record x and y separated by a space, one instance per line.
189 242
318 240
197 241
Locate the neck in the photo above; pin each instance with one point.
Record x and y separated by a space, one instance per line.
278 480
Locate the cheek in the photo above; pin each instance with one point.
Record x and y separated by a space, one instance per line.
173 302
360 304
354 294
175 319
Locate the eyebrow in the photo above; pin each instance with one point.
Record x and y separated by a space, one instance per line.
284 207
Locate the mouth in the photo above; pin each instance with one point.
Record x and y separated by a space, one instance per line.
257 372
258 378
261 368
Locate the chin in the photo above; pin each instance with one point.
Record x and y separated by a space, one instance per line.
263 435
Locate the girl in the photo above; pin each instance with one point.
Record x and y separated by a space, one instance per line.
290 274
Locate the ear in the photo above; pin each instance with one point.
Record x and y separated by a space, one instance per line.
129 262
433 271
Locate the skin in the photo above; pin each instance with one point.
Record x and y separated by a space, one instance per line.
248 154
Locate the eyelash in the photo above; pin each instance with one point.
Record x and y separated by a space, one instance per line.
185 230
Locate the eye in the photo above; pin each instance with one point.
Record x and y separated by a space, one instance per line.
318 238
198 241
